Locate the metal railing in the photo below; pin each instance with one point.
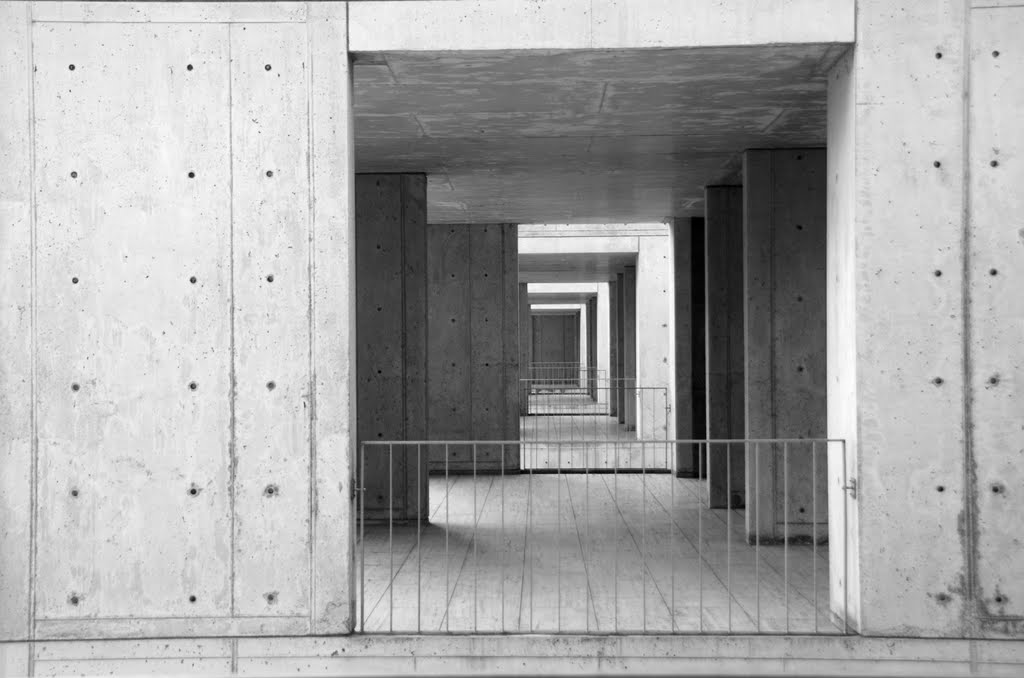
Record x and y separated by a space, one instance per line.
564 375
612 552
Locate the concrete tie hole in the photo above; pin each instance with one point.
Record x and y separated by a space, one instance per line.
271 386
192 280
997 488
938 273
941 488
995 54
193 491
74 599
191 175
191 599
74 175
271 490
937 164
189 67
1000 600
71 67
270 278
270 173
74 281
74 493
938 381
75 387
267 67
993 271
994 163
938 55
192 385
271 597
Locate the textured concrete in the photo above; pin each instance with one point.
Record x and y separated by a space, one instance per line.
614 350
172 483
158 331
911 388
585 135
723 260
391 349
603 337
655 355
591 316
472 341
593 24
784 339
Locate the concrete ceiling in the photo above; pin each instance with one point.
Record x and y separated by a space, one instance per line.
577 267
582 136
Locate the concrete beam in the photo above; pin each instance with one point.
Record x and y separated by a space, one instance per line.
784 342
445 25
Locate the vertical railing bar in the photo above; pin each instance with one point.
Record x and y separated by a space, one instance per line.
391 539
558 538
447 557
586 515
643 531
419 543
362 529
814 527
529 527
846 547
785 525
672 538
702 449
728 529
757 529
615 502
504 540
476 561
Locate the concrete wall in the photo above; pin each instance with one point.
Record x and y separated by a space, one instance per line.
391 350
525 334
784 342
473 342
723 262
177 306
924 339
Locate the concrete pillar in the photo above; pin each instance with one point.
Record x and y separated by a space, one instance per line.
603 342
784 341
723 259
925 380
629 361
391 354
473 343
613 348
686 464
525 348
592 347
655 355
583 340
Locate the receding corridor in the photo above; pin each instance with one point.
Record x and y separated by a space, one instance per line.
601 553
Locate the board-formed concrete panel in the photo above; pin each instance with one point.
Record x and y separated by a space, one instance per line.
134 373
996 378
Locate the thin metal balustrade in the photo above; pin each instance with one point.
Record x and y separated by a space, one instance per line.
619 551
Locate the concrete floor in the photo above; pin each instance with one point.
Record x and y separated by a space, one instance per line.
585 553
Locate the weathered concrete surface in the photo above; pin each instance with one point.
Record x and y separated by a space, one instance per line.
556 337
897 378
593 24
784 342
591 374
391 351
995 281
158 329
473 342
503 655
614 347
723 261
655 353
17 393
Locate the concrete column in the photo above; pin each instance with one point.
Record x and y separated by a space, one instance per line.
613 348
784 341
603 342
686 464
391 355
723 259
629 362
925 379
525 348
473 342
655 355
583 339
592 347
